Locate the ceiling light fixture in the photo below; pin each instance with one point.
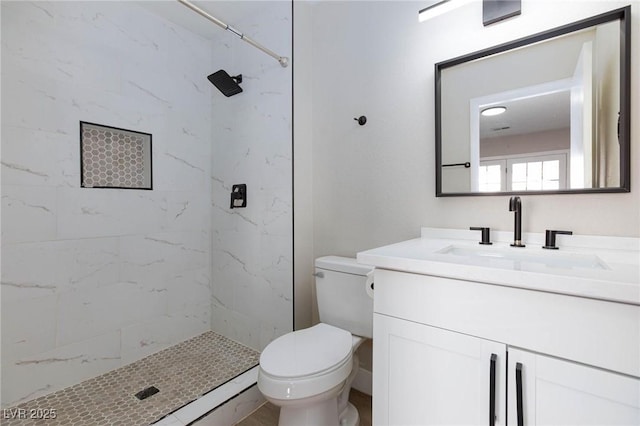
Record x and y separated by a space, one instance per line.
491 111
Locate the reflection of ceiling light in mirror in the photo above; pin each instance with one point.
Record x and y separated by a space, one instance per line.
439 8
491 111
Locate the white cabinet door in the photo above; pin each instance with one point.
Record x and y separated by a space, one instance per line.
430 376
558 392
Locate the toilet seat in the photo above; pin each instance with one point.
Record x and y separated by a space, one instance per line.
309 352
305 363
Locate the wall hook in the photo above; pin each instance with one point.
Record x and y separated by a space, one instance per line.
362 120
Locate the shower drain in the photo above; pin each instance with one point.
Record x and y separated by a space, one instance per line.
147 392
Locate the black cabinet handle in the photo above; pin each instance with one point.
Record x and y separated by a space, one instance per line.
492 390
519 410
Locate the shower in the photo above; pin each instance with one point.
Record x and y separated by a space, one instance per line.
225 83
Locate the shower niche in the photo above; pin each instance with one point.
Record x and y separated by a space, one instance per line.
111 157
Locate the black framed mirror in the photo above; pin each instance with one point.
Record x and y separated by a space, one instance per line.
544 114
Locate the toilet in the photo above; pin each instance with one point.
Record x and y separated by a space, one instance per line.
308 373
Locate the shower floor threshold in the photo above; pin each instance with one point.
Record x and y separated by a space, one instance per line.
192 378
199 408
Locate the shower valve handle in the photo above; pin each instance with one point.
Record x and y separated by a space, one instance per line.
238 194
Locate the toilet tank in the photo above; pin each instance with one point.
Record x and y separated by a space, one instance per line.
341 291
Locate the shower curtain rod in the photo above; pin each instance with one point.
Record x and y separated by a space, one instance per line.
283 60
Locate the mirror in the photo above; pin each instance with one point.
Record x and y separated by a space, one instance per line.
544 114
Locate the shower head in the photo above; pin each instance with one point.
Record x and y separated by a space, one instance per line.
225 83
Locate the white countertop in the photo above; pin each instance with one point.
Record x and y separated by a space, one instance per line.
615 276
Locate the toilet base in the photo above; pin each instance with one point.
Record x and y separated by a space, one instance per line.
321 410
320 414
351 417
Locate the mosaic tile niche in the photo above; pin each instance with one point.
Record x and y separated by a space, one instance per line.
114 158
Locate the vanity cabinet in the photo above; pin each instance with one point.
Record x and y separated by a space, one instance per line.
554 391
450 351
429 376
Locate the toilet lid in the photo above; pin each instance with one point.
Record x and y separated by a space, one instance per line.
306 352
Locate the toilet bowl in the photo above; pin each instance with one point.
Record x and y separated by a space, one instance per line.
308 373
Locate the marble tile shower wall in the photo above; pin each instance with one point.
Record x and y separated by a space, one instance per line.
93 279
252 247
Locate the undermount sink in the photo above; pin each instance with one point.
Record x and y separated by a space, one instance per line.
597 267
550 259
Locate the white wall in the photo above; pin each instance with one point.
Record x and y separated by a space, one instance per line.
252 143
96 278
525 143
304 288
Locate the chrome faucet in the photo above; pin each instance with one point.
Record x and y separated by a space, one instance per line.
516 206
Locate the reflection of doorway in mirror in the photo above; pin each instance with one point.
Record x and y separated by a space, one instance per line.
537 120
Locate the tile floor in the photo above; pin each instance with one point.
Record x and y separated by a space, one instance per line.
182 373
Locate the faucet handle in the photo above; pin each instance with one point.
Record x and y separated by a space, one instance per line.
550 238
486 239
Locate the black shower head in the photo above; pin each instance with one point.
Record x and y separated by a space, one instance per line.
225 83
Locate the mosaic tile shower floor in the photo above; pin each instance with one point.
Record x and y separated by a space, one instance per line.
182 373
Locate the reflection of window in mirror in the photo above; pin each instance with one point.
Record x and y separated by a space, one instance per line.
516 133
538 173
490 176
524 173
